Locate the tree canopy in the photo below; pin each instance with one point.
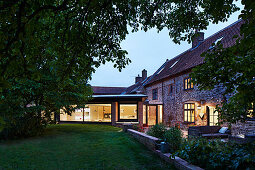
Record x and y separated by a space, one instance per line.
234 69
49 48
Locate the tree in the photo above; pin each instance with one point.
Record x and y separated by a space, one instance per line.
234 69
49 48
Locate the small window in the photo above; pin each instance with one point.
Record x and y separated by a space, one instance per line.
188 84
189 112
170 90
155 94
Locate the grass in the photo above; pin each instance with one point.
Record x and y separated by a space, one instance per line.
79 147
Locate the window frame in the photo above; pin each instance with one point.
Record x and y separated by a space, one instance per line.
83 112
170 89
189 84
128 120
189 112
156 92
213 115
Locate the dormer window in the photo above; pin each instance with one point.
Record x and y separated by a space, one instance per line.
161 70
174 64
188 84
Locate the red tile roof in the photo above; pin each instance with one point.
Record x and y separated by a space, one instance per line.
99 90
191 58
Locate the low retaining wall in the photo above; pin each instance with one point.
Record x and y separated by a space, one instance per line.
150 141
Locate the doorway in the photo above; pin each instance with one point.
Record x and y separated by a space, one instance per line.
154 114
212 116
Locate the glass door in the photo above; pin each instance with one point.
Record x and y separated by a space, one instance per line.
212 116
152 115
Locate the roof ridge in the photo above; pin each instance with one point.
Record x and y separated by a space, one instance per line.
234 23
191 49
191 57
109 86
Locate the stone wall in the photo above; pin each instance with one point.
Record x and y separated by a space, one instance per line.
241 129
173 103
148 141
149 94
140 113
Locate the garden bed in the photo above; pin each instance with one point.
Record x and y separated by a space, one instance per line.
150 142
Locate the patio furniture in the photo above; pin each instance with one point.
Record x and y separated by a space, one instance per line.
208 132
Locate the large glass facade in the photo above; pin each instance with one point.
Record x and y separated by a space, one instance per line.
128 111
90 113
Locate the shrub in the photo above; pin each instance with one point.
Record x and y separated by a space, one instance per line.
173 137
23 126
218 155
138 128
157 131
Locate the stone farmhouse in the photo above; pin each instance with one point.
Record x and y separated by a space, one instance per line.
168 96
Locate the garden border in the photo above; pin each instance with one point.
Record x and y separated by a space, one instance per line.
150 142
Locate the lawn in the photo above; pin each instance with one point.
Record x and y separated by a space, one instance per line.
78 147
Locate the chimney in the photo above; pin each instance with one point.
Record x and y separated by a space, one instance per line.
138 79
144 74
197 38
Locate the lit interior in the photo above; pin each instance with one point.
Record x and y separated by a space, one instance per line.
213 120
151 115
189 112
160 114
91 112
144 114
128 111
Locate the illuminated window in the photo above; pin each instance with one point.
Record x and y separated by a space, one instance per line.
188 84
90 113
213 117
189 112
251 111
160 113
128 111
155 94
